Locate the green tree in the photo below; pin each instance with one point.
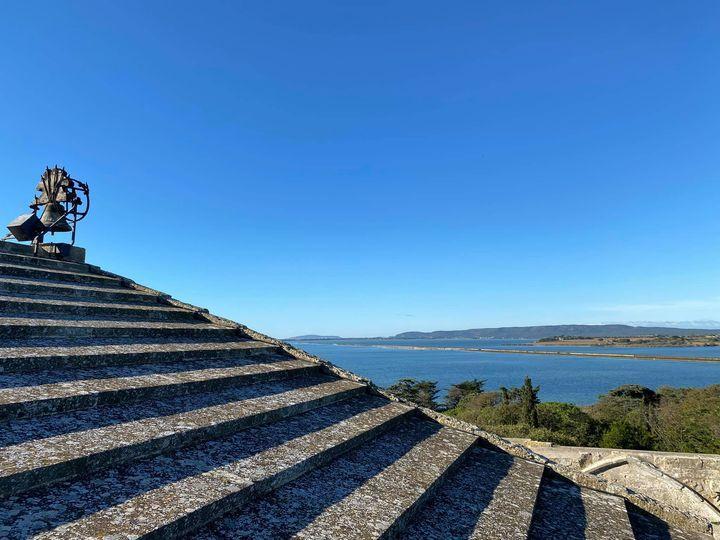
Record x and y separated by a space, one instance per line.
623 434
462 391
688 420
405 389
427 394
570 420
529 400
509 395
422 393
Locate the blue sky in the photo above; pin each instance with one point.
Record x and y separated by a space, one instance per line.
366 168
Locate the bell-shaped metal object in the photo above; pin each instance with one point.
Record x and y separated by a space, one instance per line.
25 227
52 217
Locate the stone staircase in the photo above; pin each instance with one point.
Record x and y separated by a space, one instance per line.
124 414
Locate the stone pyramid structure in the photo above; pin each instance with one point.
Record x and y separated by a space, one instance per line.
126 414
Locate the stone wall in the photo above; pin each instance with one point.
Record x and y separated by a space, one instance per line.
690 482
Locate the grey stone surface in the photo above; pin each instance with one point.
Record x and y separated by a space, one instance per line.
38 306
41 399
648 527
70 290
98 353
492 497
177 419
41 262
40 461
69 276
565 510
181 491
45 253
687 481
363 494
19 328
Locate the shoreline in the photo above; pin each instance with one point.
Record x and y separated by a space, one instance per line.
627 356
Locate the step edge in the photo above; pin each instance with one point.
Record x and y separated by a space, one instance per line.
27 480
34 408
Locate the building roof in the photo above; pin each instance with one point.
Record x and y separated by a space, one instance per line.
128 414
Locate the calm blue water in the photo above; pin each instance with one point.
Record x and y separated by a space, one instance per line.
577 380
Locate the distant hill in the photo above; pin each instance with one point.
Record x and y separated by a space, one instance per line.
310 337
539 332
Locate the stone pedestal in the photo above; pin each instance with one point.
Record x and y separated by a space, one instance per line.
64 252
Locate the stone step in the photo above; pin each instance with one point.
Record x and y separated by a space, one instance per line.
44 357
370 492
648 527
41 399
41 262
19 329
170 496
37 462
566 510
491 497
49 274
38 306
73 291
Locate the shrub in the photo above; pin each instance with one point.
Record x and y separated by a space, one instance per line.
623 434
570 420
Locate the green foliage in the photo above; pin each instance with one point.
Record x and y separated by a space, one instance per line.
571 421
624 434
463 390
509 395
529 400
634 392
630 416
688 420
423 393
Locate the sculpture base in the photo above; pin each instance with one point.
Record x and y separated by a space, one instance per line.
65 252
60 251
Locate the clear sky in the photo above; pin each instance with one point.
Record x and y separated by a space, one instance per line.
365 168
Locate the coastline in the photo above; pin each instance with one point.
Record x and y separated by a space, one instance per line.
629 356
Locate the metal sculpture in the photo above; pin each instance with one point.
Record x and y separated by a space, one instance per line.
61 198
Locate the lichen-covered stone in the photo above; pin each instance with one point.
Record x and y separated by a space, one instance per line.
68 290
53 355
19 328
40 461
182 490
125 413
39 306
370 492
40 399
492 496
565 510
15 270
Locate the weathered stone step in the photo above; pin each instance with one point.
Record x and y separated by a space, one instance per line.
42 262
165 496
648 527
371 492
26 328
38 306
491 497
44 461
30 272
69 290
54 376
565 510
44 357
38 400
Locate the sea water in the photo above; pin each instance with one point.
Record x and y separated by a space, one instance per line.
572 379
